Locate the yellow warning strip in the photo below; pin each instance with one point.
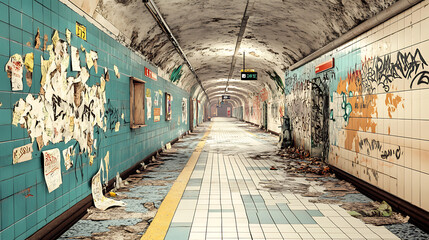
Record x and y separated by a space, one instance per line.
160 224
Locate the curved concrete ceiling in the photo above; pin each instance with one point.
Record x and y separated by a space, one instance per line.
277 35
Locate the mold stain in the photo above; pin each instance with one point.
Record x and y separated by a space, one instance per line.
363 108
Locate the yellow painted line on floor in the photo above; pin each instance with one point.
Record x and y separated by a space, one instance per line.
160 224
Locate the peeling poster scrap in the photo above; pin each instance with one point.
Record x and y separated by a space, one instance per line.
94 57
149 107
117 125
75 59
29 65
67 154
68 36
100 201
52 168
14 72
22 154
37 39
116 71
88 59
106 74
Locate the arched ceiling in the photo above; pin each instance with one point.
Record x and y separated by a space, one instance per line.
278 34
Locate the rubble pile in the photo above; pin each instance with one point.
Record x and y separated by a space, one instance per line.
375 213
305 163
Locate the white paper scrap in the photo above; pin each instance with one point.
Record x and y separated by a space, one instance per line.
75 59
52 168
14 71
100 201
22 154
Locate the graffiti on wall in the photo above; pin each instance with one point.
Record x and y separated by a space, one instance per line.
319 114
382 71
298 104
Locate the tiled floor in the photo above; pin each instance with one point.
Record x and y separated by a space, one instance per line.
224 199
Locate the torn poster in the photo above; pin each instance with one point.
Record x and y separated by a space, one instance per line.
67 154
91 159
22 154
61 111
157 114
94 57
45 41
52 168
55 38
14 72
149 107
148 92
37 39
106 74
118 75
100 201
29 65
156 99
89 61
75 59
68 36
117 125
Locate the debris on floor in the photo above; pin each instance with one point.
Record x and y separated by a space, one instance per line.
142 192
375 213
299 163
305 163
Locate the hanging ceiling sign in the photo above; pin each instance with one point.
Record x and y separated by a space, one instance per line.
325 66
226 97
249 76
81 31
148 73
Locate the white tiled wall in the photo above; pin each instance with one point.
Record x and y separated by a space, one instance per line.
404 127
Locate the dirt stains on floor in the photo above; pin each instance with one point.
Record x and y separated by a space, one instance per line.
143 193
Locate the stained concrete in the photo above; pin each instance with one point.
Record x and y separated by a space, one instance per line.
278 33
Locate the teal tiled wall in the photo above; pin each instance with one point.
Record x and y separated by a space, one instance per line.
25 203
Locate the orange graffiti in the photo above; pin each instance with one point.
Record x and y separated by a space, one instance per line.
392 103
363 108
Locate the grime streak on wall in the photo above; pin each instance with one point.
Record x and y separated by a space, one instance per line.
298 104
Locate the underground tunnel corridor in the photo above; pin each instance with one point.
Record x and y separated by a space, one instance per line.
237 185
197 119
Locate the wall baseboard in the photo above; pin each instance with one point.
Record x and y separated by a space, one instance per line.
418 216
55 228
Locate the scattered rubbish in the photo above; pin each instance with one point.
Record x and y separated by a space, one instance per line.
375 213
112 194
168 146
118 183
100 201
138 171
273 168
305 163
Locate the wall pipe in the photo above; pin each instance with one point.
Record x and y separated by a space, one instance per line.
395 9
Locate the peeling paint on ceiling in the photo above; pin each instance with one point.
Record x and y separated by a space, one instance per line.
279 33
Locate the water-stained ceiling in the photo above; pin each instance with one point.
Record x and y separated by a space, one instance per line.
278 34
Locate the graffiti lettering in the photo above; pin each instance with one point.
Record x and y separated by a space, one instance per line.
371 145
391 152
382 71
